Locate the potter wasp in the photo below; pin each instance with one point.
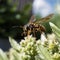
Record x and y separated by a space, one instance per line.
34 26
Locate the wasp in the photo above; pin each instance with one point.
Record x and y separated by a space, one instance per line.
34 26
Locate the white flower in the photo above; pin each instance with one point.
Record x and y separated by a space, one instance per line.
43 38
51 36
38 42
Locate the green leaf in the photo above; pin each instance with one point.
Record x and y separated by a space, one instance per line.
14 44
55 29
3 55
16 55
38 57
44 53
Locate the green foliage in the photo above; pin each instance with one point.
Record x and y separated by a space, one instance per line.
56 30
44 52
56 20
14 44
3 55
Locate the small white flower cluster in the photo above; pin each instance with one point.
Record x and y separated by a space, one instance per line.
27 49
30 49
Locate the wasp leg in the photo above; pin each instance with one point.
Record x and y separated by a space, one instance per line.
24 34
33 32
28 32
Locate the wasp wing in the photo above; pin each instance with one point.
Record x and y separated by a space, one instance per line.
32 19
42 20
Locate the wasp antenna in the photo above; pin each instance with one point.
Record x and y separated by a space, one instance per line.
17 26
21 26
14 26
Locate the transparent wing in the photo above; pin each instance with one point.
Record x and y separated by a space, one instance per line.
42 20
32 19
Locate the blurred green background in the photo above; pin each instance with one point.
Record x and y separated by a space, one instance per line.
11 16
